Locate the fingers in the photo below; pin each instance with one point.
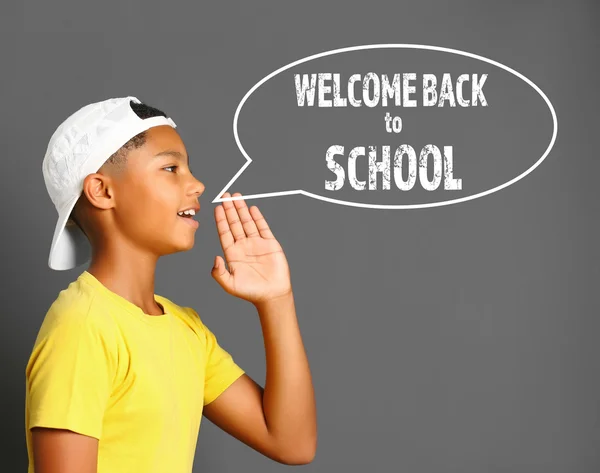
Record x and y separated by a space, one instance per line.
261 223
235 221
245 217
221 275
225 235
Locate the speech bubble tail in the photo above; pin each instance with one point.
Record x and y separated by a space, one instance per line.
254 196
233 179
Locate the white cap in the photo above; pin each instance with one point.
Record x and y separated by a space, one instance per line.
79 147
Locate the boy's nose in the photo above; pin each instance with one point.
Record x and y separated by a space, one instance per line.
198 187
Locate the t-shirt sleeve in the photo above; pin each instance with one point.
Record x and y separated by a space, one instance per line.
70 374
221 370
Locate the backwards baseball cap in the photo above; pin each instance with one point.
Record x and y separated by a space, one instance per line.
79 147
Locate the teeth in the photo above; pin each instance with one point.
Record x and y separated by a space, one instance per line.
187 212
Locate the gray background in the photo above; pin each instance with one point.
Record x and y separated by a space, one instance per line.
452 339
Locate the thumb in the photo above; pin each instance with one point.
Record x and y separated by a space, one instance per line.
220 274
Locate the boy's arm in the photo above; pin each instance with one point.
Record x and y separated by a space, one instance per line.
278 421
69 377
63 451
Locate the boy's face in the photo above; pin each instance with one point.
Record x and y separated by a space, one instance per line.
150 192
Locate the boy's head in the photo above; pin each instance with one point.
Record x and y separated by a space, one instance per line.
111 190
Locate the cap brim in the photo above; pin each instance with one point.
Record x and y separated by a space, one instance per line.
70 247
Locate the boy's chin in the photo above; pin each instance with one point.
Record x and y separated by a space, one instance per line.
185 245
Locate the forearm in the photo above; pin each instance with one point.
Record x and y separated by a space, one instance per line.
288 399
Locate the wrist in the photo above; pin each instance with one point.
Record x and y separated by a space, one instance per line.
276 301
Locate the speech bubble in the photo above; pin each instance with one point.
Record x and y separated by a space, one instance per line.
393 126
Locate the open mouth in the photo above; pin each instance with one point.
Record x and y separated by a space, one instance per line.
187 214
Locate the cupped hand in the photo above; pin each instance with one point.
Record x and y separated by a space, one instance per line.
258 269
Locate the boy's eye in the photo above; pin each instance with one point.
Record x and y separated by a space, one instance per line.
171 167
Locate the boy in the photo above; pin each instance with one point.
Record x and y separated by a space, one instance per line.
119 377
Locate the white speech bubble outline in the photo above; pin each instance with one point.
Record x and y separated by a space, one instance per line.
382 206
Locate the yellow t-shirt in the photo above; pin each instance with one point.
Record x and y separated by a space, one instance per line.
102 367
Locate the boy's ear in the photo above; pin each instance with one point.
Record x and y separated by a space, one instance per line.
98 190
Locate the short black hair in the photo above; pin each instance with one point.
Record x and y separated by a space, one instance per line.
119 158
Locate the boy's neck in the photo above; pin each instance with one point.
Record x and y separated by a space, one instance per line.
135 284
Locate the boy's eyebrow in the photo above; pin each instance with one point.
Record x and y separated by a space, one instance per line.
175 154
